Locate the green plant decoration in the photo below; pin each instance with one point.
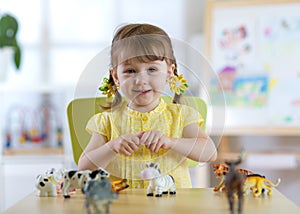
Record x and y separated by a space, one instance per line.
8 32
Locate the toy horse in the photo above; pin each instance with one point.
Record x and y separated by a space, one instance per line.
234 182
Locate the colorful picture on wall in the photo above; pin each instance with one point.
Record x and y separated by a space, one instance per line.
254 50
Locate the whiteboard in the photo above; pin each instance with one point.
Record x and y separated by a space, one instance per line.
254 49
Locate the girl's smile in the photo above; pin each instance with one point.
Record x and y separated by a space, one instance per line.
142 91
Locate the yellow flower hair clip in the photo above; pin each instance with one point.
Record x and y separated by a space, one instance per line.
178 84
106 88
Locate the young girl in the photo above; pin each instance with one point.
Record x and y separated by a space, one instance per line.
142 128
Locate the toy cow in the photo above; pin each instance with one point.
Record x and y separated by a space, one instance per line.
77 179
99 194
46 185
161 184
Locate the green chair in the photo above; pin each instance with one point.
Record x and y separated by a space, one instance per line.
80 110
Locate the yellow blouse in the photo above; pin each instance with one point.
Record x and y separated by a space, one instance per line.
167 118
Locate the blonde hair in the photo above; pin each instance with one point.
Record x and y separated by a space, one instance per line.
144 42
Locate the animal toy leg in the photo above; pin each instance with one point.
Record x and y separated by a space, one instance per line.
87 206
258 190
65 190
52 193
150 190
173 190
42 193
231 200
241 198
217 188
159 191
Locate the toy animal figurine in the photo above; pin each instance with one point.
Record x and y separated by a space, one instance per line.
119 185
58 176
77 179
221 170
234 182
46 185
161 184
99 194
258 184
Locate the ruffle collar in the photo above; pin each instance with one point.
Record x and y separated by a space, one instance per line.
145 115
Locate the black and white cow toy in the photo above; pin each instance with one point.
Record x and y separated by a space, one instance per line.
161 184
77 179
47 182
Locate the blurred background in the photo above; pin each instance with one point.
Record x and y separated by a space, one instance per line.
58 40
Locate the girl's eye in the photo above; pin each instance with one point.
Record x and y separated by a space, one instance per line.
152 70
129 71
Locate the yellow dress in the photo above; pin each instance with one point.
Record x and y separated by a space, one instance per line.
167 118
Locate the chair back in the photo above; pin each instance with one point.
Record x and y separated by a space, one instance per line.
80 110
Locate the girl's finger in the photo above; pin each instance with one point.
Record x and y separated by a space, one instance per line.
133 146
152 147
144 138
158 146
136 140
127 148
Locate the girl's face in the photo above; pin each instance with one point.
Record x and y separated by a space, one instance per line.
142 83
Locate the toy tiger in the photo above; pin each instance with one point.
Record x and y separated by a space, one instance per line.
221 170
258 184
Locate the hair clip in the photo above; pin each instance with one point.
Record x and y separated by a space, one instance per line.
106 88
178 84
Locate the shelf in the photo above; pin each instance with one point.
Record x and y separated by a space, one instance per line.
257 131
235 155
35 151
40 88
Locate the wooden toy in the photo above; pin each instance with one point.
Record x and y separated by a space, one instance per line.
77 179
234 182
159 183
257 184
99 194
221 170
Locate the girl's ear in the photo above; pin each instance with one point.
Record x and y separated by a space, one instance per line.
114 75
170 72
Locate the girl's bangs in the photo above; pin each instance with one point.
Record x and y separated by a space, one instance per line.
140 48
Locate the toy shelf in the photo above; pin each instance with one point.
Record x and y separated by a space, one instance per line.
35 151
257 131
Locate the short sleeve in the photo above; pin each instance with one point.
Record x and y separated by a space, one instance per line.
190 115
99 123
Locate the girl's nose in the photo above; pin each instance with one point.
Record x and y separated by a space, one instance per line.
141 78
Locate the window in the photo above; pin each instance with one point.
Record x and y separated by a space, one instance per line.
59 38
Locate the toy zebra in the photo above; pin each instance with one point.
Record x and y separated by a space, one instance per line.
161 184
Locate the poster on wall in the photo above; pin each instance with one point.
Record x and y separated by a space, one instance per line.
254 49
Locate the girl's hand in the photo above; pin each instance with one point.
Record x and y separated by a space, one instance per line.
154 140
125 144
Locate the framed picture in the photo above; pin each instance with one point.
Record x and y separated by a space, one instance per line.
254 49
